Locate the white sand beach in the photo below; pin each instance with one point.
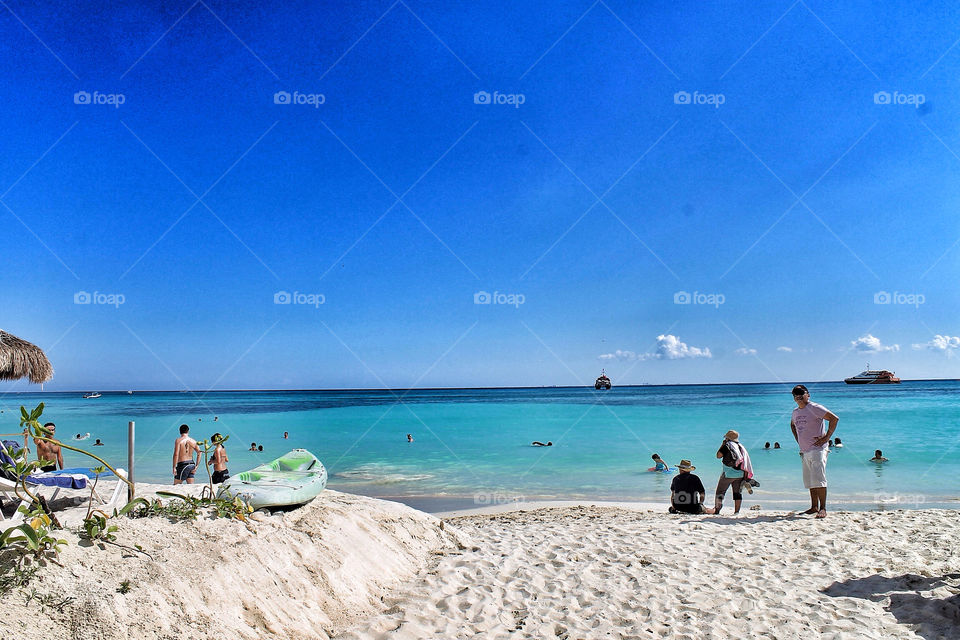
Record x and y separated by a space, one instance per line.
346 566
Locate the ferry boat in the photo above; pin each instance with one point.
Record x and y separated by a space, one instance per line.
603 382
90 396
870 376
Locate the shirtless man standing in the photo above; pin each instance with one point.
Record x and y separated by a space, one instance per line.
219 460
184 466
49 451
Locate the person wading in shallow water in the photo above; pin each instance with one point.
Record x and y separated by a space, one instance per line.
184 466
807 427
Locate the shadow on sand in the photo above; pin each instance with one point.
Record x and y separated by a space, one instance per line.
932 617
743 519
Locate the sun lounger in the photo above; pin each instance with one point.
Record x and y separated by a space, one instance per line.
73 478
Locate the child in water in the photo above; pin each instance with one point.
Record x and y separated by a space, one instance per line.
661 465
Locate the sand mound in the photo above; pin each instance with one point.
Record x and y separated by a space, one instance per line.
304 574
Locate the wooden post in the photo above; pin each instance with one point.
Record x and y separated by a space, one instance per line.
130 447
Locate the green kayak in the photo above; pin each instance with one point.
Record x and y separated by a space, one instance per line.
294 478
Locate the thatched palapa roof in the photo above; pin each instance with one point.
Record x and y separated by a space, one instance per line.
22 359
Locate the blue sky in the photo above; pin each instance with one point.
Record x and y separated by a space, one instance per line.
791 167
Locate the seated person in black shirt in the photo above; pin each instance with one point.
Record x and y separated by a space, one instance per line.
686 491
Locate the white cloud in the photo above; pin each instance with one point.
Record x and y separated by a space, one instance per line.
669 347
944 344
870 344
744 351
627 356
785 349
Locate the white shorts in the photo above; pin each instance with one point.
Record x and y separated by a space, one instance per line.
815 468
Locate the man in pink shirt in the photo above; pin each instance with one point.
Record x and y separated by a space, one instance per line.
807 426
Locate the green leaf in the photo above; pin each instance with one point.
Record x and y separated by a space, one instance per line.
130 506
170 494
33 540
24 414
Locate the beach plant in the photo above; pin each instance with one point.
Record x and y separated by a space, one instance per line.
124 587
184 507
47 600
208 447
33 538
16 575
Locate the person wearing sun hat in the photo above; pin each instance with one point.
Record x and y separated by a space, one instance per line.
737 471
686 491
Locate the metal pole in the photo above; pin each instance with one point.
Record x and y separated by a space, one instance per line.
130 434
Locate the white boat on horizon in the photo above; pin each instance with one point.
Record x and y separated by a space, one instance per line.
90 396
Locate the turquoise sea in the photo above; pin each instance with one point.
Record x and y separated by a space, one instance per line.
472 446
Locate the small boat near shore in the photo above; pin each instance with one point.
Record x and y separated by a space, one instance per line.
294 478
871 376
603 382
91 396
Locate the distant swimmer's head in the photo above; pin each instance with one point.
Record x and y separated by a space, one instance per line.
184 429
731 435
260 448
776 445
549 444
685 466
878 453
766 445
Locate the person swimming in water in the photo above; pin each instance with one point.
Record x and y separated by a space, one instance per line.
660 464
878 456
537 443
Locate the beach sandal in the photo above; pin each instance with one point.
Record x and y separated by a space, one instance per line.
671 510
821 514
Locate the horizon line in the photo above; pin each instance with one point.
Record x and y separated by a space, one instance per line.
625 386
